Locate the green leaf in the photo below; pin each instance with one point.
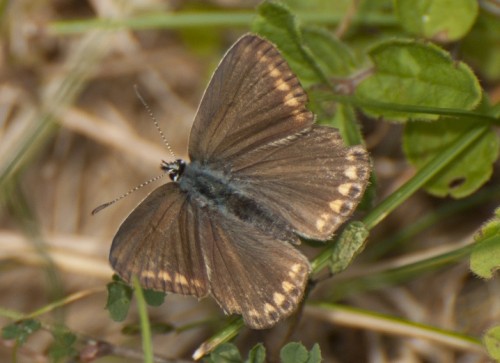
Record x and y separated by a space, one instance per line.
21 330
225 353
162 328
335 59
294 353
492 342
156 328
423 141
297 353
119 298
276 23
314 54
480 47
346 121
349 245
154 298
441 20
333 56
257 354
131 329
485 258
315 354
413 73
63 345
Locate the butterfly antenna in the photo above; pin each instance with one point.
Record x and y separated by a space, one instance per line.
148 109
105 205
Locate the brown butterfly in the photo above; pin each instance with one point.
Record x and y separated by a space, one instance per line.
261 175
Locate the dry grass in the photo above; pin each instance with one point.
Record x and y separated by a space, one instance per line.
80 137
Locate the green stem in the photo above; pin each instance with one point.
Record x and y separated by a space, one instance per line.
346 287
374 252
201 20
147 345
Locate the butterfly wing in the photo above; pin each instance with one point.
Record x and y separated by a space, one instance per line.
174 244
253 125
250 273
157 243
252 99
311 180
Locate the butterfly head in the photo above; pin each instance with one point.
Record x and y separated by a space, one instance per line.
174 169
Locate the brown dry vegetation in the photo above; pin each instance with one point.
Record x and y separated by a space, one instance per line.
69 112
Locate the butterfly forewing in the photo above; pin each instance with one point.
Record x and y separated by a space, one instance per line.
157 243
252 99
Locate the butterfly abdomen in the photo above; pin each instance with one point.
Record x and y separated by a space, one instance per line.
214 190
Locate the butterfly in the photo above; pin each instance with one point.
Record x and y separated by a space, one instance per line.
261 175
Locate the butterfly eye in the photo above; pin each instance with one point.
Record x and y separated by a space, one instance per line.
174 169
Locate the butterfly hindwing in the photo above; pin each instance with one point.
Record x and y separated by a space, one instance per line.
250 272
175 245
311 180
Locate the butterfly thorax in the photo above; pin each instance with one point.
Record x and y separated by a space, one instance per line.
214 190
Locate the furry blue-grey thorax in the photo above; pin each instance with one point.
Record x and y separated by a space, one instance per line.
217 191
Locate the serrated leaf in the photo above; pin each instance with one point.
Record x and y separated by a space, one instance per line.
350 243
441 20
119 298
21 330
257 354
294 353
314 54
418 74
63 345
276 23
315 354
154 298
423 141
492 342
485 258
225 353
333 56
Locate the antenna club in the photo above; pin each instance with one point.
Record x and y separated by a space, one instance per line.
100 208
